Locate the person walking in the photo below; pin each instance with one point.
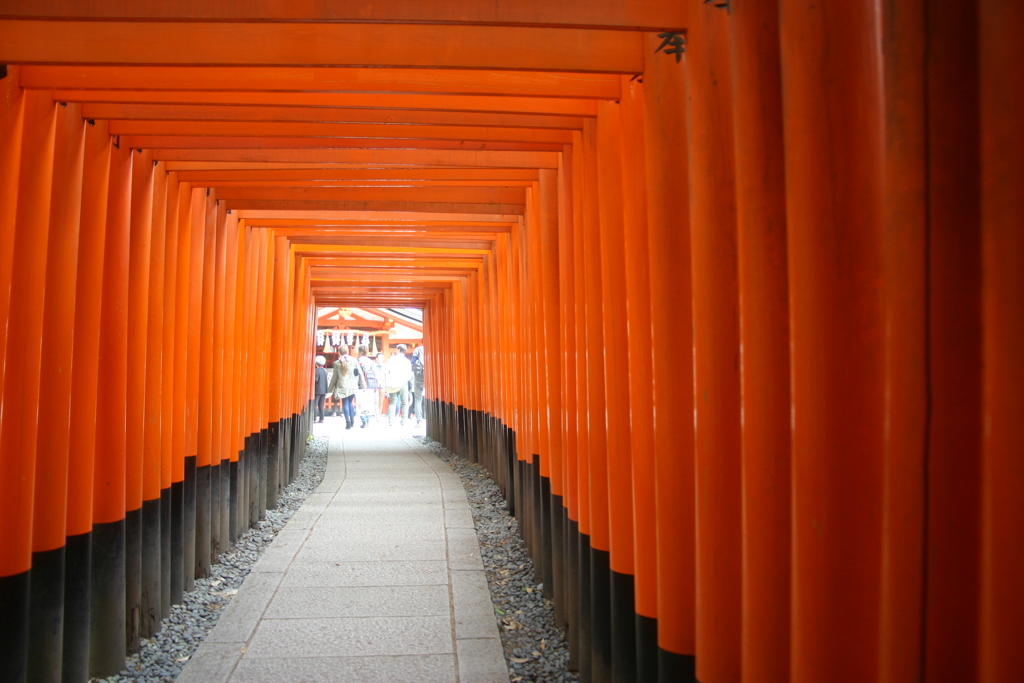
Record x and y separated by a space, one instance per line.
344 384
320 386
418 368
398 374
378 363
366 399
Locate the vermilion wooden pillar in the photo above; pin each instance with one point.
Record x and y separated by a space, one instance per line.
599 589
832 99
84 387
19 419
716 347
947 399
12 117
259 394
617 396
568 605
1002 212
152 399
668 223
641 378
764 340
175 417
167 518
579 633
189 360
229 435
207 225
107 631
552 488
136 530
278 303
218 464
46 627
902 599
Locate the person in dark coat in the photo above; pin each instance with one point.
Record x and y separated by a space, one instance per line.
320 385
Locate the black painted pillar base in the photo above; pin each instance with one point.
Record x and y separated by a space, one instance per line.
107 629
623 623
675 668
150 593
188 526
133 579
46 616
14 626
585 630
176 566
557 529
202 544
646 648
545 538
225 507
165 553
572 593
263 471
273 459
75 655
214 549
601 615
233 472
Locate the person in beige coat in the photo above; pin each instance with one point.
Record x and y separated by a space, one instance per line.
344 383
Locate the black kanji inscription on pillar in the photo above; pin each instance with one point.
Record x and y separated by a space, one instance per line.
672 44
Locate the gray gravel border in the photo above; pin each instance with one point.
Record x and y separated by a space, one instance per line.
161 658
535 647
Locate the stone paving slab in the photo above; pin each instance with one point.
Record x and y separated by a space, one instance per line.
377 577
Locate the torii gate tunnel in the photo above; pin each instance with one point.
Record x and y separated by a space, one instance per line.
728 296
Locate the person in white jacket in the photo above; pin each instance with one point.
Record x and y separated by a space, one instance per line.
398 375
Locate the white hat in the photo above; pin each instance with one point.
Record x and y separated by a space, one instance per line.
320 360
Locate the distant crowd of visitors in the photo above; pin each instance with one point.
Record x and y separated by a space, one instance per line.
360 385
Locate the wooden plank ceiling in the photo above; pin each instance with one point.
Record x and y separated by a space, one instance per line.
390 142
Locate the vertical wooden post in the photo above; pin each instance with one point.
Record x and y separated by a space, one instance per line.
906 347
1002 213
169 521
181 543
12 120
84 387
218 464
191 361
107 605
49 521
151 397
832 99
204 460
716 347
229 436
138 318
672 334
641 379
612 236
764 340
19 419
277 290
600 617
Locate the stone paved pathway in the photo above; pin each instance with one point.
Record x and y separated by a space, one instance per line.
376 578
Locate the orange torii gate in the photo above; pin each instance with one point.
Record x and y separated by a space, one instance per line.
726 296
